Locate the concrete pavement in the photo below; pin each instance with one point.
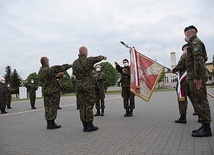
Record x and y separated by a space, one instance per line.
151 131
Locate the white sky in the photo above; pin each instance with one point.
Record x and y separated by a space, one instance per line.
30 29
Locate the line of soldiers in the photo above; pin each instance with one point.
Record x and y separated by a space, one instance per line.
192 78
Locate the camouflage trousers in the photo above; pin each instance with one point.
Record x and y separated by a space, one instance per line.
201 101
188 92
86 98
99 101
128 98
4 101
32 99
50 105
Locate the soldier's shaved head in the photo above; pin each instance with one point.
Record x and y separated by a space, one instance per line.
83 50
44 61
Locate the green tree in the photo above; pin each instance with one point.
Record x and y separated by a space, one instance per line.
35 78
15 82
8 74
162 77
67 86
110 74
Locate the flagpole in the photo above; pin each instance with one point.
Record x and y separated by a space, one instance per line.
127 46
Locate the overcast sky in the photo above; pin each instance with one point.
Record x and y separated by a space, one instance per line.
30 29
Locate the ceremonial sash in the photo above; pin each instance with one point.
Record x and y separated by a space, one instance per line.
180 89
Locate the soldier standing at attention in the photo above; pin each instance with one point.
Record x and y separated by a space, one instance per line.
3 96
31 88
100 92
85 84
51 90
128 96
197 78
182 87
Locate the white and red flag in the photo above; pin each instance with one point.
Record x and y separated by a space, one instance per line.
145 74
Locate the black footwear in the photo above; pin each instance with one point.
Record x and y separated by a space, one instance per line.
33 108
9 107
130 113
205 131
59 108
181 120
3 111
194 131
102 112
127 113
90 127
84 123
98 113
52 125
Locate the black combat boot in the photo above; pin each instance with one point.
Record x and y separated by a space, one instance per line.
52 125
127 113
84 123
205 131
33 107
3 111
194 131
9 107
131 113
102 112
98 113
91 127
182 119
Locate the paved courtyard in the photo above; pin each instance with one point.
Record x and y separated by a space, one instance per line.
151 131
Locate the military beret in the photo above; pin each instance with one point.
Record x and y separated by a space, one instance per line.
190 27
185 45
126 60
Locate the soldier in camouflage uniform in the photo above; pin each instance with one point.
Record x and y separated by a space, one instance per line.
184 87
100 92
128 96
9 96
31 88
83 70
197 78
51 90
3 96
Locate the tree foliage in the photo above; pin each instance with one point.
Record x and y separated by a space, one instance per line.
35 78
67 86
8 74
162 77
110 74
15 81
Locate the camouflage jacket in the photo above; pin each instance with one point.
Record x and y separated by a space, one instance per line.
31 88
196 58
125 77
83 70
181 66
4 89
47 76
100 77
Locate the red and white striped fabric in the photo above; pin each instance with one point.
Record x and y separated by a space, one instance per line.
145 74
180 89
